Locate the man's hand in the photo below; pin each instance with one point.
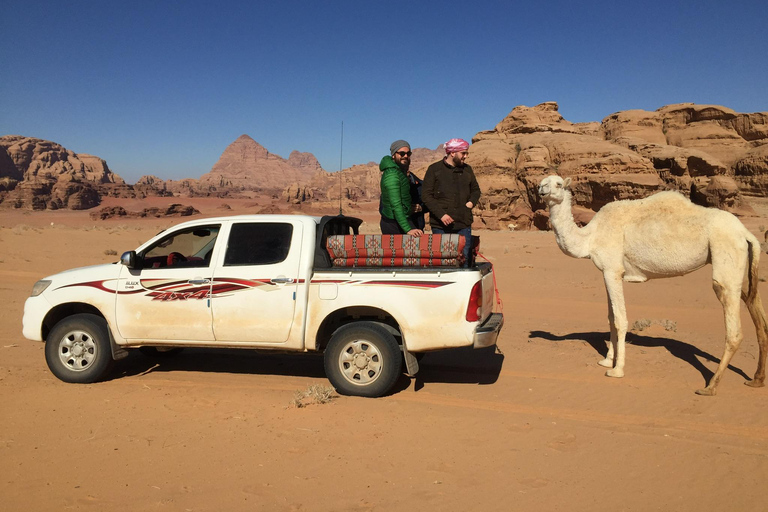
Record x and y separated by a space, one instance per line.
470 205
446 219
416 232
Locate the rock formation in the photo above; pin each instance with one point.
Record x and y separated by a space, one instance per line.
356 183
39 174
709 153
173 210
247 165
712 154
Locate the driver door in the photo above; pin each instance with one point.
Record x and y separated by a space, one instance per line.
168 298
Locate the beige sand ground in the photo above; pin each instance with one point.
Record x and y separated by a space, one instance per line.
533 426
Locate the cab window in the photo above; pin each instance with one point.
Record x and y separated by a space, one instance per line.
191 247
258 243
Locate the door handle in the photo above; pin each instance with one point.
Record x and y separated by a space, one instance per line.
281 280
199 281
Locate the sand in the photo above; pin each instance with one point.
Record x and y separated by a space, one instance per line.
530 425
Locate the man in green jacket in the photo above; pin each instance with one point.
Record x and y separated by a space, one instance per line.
396 191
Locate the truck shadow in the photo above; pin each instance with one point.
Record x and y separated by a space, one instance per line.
460 365
680 349
242 361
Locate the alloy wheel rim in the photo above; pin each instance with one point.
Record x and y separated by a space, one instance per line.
77 350
360 362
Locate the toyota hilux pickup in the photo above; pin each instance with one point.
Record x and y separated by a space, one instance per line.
370 303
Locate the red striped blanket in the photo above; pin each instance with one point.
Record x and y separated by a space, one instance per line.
396 250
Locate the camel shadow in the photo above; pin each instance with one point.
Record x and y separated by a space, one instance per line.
683 351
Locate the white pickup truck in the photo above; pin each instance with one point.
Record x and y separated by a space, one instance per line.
260 282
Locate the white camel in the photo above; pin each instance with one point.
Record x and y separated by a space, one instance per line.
664 235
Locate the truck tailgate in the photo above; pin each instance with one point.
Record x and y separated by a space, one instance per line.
489 290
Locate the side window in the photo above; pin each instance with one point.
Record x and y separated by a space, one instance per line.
258 243
192 247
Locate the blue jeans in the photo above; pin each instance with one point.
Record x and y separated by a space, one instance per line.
466 233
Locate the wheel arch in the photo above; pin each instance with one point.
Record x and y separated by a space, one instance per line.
347 315
62 311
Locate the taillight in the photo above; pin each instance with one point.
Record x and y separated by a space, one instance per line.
475 303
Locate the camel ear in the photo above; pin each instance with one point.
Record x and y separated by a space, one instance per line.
566 182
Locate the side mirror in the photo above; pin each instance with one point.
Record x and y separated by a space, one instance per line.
129 259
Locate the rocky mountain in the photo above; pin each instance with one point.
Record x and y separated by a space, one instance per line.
39 174
709 153
356 183
247 165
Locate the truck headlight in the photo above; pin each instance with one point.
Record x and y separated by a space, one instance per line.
40 287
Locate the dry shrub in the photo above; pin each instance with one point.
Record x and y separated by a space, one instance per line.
21 229
110 252
645 323
314 394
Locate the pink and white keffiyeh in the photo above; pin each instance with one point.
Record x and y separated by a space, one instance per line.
456 145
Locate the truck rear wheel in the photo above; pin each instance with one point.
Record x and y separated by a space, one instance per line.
77 349
363 359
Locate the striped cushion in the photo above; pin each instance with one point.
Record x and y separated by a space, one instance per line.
396 250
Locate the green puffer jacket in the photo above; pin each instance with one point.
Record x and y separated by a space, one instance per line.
395 193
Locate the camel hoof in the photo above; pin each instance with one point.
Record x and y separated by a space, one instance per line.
608 363
754 383
706 392
614 373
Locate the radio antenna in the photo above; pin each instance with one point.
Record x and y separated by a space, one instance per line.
341 157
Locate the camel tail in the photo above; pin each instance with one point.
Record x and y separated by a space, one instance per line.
752 271
755 306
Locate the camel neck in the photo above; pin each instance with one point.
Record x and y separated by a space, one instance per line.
572 240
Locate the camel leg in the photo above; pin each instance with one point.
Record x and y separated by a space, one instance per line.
729 298
757 313
615 289
609 360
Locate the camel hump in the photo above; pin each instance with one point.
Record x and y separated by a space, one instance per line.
670 197
661 203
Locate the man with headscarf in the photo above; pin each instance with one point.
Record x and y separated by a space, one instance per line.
396 204
450 191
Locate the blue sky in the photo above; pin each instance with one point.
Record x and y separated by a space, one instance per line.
164 87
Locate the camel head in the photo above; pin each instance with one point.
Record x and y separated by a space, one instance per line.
552 189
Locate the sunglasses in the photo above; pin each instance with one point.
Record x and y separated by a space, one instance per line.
403 153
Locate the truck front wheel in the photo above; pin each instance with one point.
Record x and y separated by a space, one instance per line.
363 359
77 349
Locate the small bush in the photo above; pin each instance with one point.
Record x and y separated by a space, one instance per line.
314 394
645 323
20 229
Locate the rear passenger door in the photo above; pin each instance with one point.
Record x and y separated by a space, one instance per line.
254 290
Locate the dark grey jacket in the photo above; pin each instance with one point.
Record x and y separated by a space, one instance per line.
447 189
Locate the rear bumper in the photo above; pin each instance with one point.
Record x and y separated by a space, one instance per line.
487 333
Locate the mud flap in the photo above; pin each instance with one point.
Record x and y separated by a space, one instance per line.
118 352
411 364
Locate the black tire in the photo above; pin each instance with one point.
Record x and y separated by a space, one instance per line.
77 349
160 352
363 359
